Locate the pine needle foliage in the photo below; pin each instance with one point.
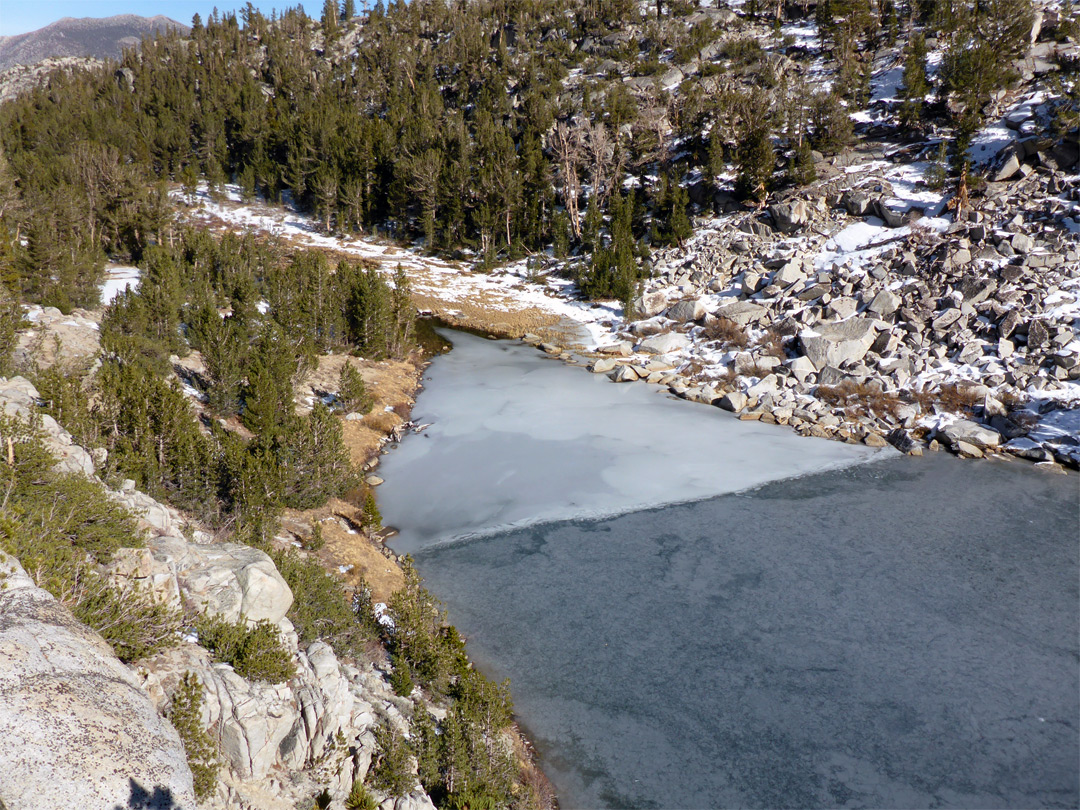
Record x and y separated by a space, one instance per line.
185 714
63 528
255 652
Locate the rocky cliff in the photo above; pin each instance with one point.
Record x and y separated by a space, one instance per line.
91 732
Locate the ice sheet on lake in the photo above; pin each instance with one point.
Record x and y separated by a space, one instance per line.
518 438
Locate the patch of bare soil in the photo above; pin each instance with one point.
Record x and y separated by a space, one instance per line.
353 552
348 551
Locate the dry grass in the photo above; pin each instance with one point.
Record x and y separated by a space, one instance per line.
758 370
727 332
772 343
961 399
860 399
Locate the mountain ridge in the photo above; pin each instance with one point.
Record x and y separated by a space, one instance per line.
98 37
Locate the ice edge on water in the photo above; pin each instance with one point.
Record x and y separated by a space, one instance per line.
520 441
460 539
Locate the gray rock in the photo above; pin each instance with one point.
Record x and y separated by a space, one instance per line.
801 368
662 344
901 440
964 430
1009 168
1038 335
857 203
1022 243
966 449
623 373
686 311
789 217
226 579
78 729
742 312
885 303
833 344
961 257
946 319
650 304
790 273
1008 323
603 365
733 401
842 307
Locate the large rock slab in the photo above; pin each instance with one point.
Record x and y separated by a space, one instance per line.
77 729
263 727
665 343
742 312
964 430
832 344
226 579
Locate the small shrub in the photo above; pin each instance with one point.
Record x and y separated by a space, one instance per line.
370 514
134 623
255 653
772 343
400 676
316 542
321 608
859 398
360 798
185 714
727 332
962 399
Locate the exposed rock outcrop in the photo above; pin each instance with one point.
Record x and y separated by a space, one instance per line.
78 729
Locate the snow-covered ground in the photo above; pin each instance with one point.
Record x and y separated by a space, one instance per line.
118 279
507 288
853 249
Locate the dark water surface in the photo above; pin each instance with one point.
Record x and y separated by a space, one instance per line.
901 633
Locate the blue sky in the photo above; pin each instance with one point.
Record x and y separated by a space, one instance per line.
20 16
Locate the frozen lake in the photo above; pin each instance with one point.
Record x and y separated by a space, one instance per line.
898 633
517 437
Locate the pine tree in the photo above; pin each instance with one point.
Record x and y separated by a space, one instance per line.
352 394
403 312
915 85
679 227
330 19
11 321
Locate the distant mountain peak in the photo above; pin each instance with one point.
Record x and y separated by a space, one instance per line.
98 37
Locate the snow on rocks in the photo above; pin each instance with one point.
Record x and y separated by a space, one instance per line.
845 313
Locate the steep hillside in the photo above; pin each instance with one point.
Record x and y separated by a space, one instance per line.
101 38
